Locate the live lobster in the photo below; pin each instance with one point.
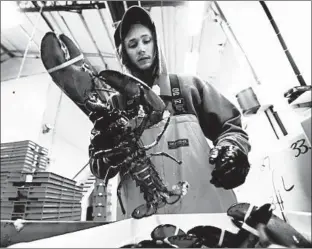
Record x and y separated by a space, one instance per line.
89 90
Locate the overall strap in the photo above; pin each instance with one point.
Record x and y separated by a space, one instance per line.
178 102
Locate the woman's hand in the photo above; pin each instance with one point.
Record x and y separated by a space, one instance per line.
231 166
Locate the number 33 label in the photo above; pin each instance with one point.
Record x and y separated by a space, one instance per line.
300 147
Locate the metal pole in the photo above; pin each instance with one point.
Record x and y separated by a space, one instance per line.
92 38
55 21
7 51
69 7
109 35
7 41
69 30
43 16
72 36
237 42
284 46
35 54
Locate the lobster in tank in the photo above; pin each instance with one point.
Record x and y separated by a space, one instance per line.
90 91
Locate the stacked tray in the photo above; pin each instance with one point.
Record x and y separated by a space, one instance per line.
41 192
38 195
40 210
24 156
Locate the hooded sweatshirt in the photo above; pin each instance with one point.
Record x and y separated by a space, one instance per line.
198 112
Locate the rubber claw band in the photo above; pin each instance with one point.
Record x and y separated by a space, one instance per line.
249 210
221 238
169 243
66 64
176 231
250 229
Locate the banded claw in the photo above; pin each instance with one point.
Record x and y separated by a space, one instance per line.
65 63
279 232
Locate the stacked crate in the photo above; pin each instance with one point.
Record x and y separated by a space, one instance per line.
30 193
24 156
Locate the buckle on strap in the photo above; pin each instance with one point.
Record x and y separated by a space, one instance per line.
178 102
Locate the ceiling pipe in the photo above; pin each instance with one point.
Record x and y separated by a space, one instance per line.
43 16
283 44
56 22
7 51
68 7
9 43
92 38
34 54
75 40
225 21
106 29
79 7
109 36
69 30
117 10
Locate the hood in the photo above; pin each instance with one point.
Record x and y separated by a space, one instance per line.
136 14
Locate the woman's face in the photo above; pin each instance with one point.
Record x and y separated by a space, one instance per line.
140 47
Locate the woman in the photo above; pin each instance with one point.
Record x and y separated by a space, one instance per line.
198 112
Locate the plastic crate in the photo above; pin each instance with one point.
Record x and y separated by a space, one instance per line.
35 185
11 153
40 204
24 158
30 209
55 215
24 150
73 216
15 177
39 192
50 177
55 189
19 163
53 195
22 168
24 143
42 199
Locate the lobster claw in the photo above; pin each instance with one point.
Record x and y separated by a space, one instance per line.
132 88
279 232
144 210
212 236
164 231
65 63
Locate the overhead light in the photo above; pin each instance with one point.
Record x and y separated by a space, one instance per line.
195 18
10 15
190 63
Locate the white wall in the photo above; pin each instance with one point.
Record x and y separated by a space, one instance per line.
22 108
257 37
30 102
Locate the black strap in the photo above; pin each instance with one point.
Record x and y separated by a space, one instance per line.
178 102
